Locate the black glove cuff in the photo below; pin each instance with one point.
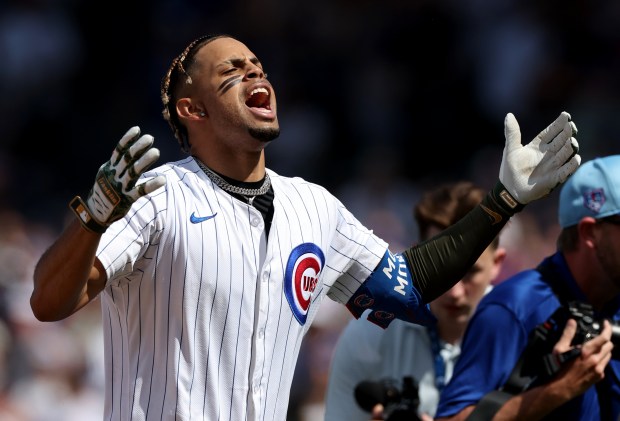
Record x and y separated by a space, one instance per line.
500 200
85 217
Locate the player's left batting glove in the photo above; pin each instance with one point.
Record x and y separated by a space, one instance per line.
115 186
530 172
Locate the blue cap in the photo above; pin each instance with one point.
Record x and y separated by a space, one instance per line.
593 190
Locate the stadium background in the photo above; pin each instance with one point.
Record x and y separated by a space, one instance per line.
377 101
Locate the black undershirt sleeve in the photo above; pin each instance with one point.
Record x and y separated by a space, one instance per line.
440 262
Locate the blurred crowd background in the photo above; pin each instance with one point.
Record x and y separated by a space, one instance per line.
377 100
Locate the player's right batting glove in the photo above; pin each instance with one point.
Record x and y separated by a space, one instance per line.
530 172
115 186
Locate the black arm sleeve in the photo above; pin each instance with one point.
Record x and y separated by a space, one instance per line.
440 262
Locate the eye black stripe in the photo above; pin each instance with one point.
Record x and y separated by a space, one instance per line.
229 83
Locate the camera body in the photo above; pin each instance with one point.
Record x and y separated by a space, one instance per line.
540 362
399 403
588 327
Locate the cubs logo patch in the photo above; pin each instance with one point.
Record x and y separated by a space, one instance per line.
594 199
301 277
363 301
381 318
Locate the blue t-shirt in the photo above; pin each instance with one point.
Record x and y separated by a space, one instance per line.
498 333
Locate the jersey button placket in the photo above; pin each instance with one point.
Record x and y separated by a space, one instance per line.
259 341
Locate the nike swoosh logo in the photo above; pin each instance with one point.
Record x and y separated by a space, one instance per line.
494 215
198 219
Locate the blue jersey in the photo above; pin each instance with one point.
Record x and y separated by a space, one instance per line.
498 333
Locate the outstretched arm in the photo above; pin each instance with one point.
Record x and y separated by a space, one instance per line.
68 275
527 173
401 283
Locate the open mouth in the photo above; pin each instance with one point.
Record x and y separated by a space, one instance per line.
259 98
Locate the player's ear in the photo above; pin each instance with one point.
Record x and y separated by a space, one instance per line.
186 108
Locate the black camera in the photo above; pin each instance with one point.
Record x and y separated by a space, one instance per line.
588 327
538 364
399 403
541 363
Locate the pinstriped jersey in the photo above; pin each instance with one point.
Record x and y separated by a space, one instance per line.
203 317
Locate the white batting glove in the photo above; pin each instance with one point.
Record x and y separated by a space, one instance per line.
532 171
115 188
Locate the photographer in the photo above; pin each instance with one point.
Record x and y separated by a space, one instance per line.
585 269
367 353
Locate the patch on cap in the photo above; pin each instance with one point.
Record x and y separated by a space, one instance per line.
594 199
592 191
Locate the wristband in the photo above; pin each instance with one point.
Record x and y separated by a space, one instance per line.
499 204
85 217
505 199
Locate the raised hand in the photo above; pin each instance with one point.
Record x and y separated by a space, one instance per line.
115 187
532 171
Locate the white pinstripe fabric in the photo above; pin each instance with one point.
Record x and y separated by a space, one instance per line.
196 322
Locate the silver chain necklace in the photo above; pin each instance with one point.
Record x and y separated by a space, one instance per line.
250 194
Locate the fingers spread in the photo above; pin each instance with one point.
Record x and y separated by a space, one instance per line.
568 168
136 168
563 138
139 146
146 160
126 141
552 130
131 153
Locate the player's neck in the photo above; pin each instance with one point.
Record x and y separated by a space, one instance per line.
240 167
247 189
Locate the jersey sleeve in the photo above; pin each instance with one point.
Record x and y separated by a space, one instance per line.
127 239
355 252
491 347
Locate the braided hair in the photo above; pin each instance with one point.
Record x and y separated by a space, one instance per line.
170 85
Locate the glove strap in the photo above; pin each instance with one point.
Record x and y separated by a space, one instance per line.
505 199
85 216
500 204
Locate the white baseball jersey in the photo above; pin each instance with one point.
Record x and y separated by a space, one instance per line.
203 318
366 352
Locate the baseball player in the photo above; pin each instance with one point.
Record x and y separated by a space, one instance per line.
211 269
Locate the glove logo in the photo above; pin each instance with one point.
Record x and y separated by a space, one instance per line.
508 199
301 278
81 210
108 191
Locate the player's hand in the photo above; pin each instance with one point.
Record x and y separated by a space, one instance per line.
532 171
115 187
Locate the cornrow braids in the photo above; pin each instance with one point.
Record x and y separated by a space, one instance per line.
176 74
